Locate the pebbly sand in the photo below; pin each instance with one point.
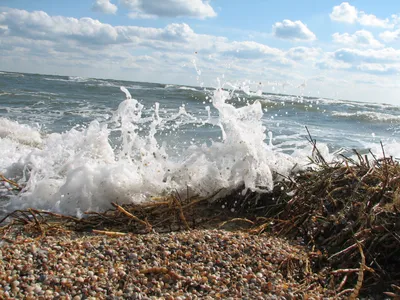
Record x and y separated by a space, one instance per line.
196 264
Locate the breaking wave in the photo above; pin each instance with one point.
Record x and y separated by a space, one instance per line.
368 116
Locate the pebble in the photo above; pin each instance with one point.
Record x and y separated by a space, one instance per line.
206 264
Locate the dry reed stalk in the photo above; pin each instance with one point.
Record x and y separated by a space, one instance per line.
109 233
131 216
235 220
13 183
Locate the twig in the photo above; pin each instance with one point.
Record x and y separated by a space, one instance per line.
344 292
37 223
235 220
345 250
360 278
341 271
109 233
314 143
13 183
395 287
181 214
373 155
343 282
128 214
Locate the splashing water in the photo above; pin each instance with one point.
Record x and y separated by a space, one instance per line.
81 169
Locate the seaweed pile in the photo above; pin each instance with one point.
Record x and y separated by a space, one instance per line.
347 213
350 214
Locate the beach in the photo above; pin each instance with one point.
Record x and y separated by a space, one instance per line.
193 192
203 149
206 264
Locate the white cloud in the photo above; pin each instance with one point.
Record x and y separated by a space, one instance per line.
296 31
390 36
3 29
74 34
90 48
347 13
39 25
361 38
358 56
379 69
38 42
344 13
87 31
138 15
251 50
395 19
329 63
373 21
104 6
384 61
303 53
200 9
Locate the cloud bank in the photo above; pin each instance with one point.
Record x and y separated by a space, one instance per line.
38 42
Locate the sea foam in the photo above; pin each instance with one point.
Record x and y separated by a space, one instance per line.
81 169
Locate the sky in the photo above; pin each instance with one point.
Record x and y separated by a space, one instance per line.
334 49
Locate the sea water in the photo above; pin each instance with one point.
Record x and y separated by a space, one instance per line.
76 144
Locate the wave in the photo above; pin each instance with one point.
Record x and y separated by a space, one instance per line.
368 116
186 88
12 74
101 84
56 79
81 170
21 133
293 106
78 79
70 79
136 87
89 82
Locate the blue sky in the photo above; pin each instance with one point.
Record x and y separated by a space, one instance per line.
335 49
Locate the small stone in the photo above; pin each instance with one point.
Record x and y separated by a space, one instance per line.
133 256
38 289
15 283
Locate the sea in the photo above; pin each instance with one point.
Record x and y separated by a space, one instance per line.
75 144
